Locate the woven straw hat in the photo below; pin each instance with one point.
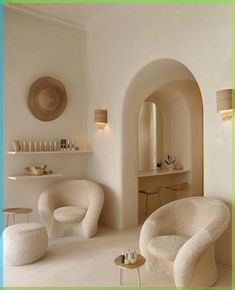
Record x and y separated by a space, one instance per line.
47 98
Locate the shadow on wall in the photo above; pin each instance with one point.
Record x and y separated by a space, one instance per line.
111 204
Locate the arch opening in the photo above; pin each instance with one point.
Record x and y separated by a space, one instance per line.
173 87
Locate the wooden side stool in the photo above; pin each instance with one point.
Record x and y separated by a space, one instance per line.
178 188
150 191
16 210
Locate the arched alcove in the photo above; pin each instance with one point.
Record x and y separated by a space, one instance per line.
161 77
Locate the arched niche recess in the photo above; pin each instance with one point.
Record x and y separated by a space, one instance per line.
166 79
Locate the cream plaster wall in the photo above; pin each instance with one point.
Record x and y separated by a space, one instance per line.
34 47
119 46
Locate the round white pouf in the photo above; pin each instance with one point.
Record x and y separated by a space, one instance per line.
24 243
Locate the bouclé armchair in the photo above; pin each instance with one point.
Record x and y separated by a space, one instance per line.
179 239
71 207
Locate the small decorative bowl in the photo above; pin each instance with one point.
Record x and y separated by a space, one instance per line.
170 166
35 170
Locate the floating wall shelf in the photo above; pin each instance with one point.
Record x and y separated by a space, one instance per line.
47 152
21 177
25 153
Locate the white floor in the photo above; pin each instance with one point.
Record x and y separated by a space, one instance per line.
79 262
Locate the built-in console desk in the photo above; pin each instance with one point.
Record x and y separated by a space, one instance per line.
157 172
162 177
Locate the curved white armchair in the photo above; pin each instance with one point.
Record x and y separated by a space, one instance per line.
179 238
71 207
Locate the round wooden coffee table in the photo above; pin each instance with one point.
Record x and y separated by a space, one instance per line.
16 210
140 262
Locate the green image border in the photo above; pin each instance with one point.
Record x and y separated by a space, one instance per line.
233 144
232 2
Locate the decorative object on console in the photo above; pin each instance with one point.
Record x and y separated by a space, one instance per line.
159 164
170 162
179 239
224 103
178 166
36 170
101 118
47 98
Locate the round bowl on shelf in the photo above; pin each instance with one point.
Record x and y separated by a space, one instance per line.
35 170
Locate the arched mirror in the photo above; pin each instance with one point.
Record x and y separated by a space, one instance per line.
151 136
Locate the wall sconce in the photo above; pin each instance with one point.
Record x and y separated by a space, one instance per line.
224 104
101 118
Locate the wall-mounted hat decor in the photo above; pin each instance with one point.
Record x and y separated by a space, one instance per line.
47 98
